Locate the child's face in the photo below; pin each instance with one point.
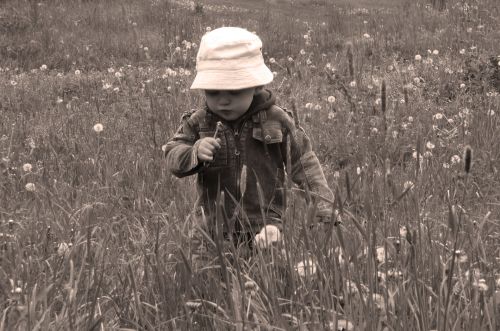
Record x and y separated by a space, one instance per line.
230 104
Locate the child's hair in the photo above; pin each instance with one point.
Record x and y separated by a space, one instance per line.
230 58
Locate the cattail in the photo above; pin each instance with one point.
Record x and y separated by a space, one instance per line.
405 93
350 59
383 97
452 217
467 159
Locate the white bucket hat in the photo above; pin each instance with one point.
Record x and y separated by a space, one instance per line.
230 58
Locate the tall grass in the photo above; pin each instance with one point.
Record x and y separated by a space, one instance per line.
96 234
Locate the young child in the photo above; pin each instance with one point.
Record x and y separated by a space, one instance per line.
237 144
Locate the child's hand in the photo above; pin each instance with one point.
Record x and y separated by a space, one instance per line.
207 149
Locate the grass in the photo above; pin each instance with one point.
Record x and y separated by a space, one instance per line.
96 234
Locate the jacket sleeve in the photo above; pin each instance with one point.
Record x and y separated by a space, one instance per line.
307 171
181 151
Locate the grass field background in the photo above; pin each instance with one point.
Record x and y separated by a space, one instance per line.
400 99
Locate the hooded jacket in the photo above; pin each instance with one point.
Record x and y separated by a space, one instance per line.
250 166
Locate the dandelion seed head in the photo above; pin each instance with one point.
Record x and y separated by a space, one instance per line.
430 145
98 127
435 52
78 72
418 57
331 99
306 268
27 167
30 187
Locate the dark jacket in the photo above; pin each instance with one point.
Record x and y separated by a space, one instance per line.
255 145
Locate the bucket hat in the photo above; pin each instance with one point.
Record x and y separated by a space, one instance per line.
230 58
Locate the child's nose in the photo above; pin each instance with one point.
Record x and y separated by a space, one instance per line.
225 98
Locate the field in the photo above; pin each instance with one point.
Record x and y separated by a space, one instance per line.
400 98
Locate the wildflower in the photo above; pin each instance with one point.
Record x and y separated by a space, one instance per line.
435 52
302 52
306 36
430 145
462 51
59 100
378 101
306 268
30 187
118 74
177 49
13 83
438 116
366 36
106 86
380 254
267 236
63 249
164 148
446 165
111 70
309 105
374 130
290 59
98 127
462 86
408 185
480 285
145 49
27 167
410 119
272 60
416 80
455 159
418 57
461 256
352 84
491 112
331 99
317 107
116 89
77 72
308 62
43 67
134 24
358 171
208 29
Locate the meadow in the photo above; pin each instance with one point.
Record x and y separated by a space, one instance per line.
400 98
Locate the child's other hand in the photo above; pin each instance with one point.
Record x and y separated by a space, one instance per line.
207 149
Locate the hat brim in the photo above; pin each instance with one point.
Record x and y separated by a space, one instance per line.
236 79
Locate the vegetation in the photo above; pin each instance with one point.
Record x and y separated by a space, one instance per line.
402 104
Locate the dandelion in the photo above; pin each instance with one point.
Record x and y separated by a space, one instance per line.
490 112
309 105
366 36
306 268
331 99
462 51
77 72
317 107
111 70
43 67
118 74
430 145
408 185
208 29
410 119
63 249
27 167
418 57
272 60
302 52
446 165
306 36
352 84
462 86
59 100
435 52
13 83
30 187
267 236
438 116
480 285
106 86
98 127
374 130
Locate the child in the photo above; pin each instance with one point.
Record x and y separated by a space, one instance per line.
237 144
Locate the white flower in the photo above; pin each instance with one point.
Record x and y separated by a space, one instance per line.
302 52
317 107
208 29
59 100
410 119
408 185
438 116
490 112
366 36
380 254
378 101
352 84
306 36
27 167
177 49
331 99
416 80
435 52
118 74
111 70
451 120
275 73
77 72
164 148
272 60
446 165
106 86
455 159
462 51
462 86
98 127
13 83
43 67
306 268
418 57
145 49
309 105
63 249
267 236
290 59
30 187
480 285
374 130
116 89
430 145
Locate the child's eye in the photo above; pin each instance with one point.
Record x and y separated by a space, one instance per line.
212 92
235 92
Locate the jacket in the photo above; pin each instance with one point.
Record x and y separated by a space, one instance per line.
253 150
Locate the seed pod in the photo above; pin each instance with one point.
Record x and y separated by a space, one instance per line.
467 159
